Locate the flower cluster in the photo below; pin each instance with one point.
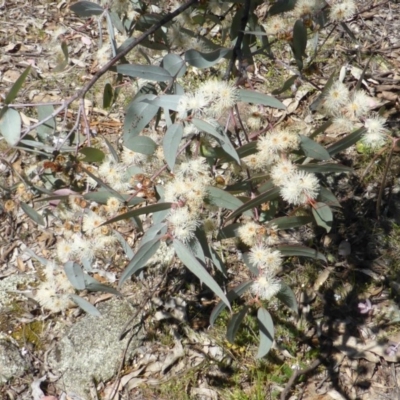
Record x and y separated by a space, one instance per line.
187 192
210 100
53 292
351 110
268 261
296 187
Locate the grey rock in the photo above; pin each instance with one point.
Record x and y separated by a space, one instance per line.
91 351
12 364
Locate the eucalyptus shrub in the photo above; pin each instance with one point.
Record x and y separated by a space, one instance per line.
215 172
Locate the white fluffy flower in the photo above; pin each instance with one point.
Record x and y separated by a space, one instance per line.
358 105
300 188
376 134
336 97
265 258
282 171
249 232
91 221
265 286
342 10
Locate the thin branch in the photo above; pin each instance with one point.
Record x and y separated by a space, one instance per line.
81 93
237 52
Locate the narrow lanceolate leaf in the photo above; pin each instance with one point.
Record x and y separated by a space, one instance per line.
300 251
108 95
49 126
10 125
138 114
32 214
313 149
100 287
141 144
205 60
92 154
174 65
250 96
234 324
346 142
325 168
191 262
140 211
218 133
125 246
140 259
267 333
168 101
290 222
85 305
149 72
13 93
228 231
232 295
220 198
171 142
269 195
299 43
113 192
287 297
323 216
86 8
75 275
62 64
326 196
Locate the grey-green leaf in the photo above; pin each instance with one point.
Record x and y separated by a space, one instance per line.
10 125
326 196
300 251
287 297
138 115
267 333
323 216
325 168
171 142
49 126
299 43
16 87
75 275
174 65
313 149
141 144
62 64
140 259
32 214
346 142
269 195
234 324
140 211
232 295
205 60
86 8
168 101
250 96
191 262
125 246
108 95
92 154
290 222
149 72
223 199
85 305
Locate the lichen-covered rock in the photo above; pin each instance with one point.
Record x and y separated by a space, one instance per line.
91 351
12 364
